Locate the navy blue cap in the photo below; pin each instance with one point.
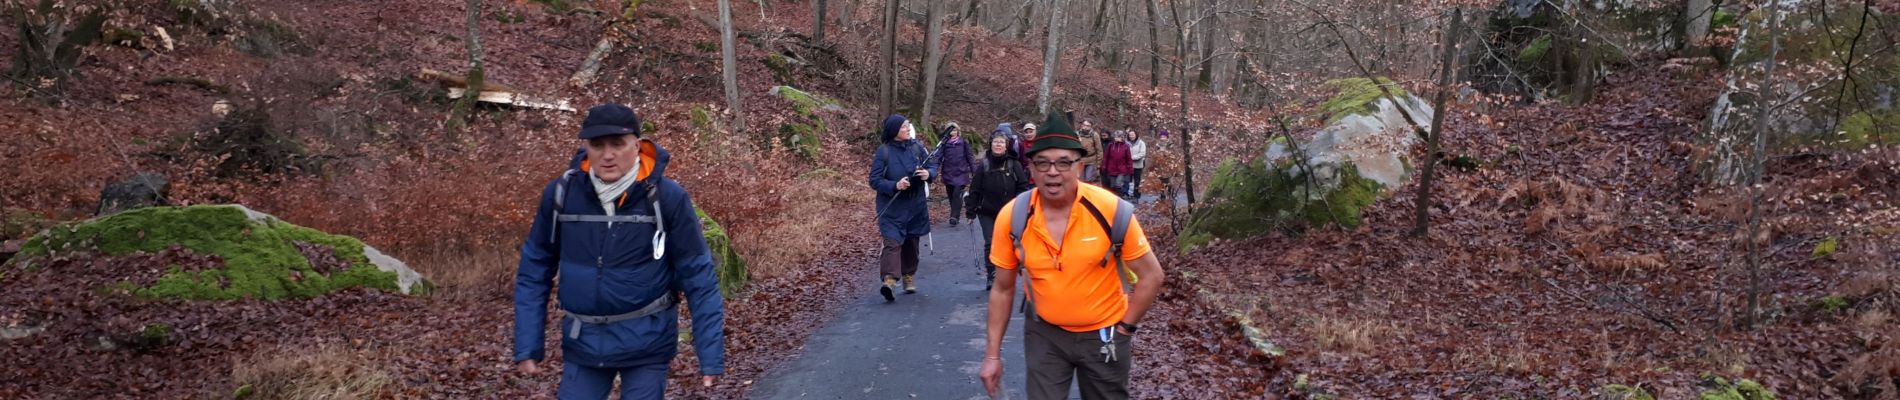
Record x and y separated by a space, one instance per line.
609 120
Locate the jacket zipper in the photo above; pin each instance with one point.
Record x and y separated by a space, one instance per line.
600 268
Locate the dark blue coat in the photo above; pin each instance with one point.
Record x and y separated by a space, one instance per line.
611 271
901 214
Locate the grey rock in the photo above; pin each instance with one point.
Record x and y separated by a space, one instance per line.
144 189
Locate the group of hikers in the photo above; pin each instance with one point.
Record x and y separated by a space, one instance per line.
979 186
623 244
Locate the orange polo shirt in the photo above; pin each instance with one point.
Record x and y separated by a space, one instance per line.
1078 293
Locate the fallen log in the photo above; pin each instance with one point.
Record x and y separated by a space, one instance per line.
492 92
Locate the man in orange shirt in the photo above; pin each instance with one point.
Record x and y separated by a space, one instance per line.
1078 316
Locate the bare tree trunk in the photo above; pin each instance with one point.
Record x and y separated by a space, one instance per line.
970 17
466 106
1050 56
1023 21
1187 132
1095 32
1762 108
1446 64
845 15
1154 46
887 73
730 65
590 66
933 54
1695 21
818 20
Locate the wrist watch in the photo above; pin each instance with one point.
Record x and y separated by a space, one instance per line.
1131 328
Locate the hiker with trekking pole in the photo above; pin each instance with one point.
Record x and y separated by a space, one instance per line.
900 173
1079 247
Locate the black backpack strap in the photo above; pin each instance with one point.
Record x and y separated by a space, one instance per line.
560 203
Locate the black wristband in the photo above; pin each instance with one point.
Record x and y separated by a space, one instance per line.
1131 328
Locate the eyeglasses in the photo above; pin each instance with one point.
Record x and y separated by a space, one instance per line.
1062 165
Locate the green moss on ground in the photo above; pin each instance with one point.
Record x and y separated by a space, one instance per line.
1625 392
260 258
1862 129
1826 248
1718 388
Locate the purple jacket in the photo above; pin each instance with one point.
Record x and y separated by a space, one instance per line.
956 161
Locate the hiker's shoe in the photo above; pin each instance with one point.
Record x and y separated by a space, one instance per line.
953 222
890 285
910 284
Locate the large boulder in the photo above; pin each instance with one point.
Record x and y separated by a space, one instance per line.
1357 157
144 189
235 252
728 266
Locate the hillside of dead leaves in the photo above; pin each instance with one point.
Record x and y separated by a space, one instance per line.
1585 253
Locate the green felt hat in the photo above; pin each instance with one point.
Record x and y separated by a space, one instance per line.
1055 133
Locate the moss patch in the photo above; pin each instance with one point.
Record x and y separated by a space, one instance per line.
1625 392
1826 248
781 68
728 266
18 223
1832 304
803 137
1717 388
1534 52
260 259
1355 96
1863 129
1249 199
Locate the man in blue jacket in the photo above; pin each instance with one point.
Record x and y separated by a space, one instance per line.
625 243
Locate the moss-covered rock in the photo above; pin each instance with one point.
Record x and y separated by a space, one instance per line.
1718 388
781 68
1355 96
1325 181
728 266
802 135
1253 198
259 256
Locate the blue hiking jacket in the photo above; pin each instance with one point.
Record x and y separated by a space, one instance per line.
901 213
606 271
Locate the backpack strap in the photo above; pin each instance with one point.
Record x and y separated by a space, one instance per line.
1117 232
659 223
560 203
1019 221
653 194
